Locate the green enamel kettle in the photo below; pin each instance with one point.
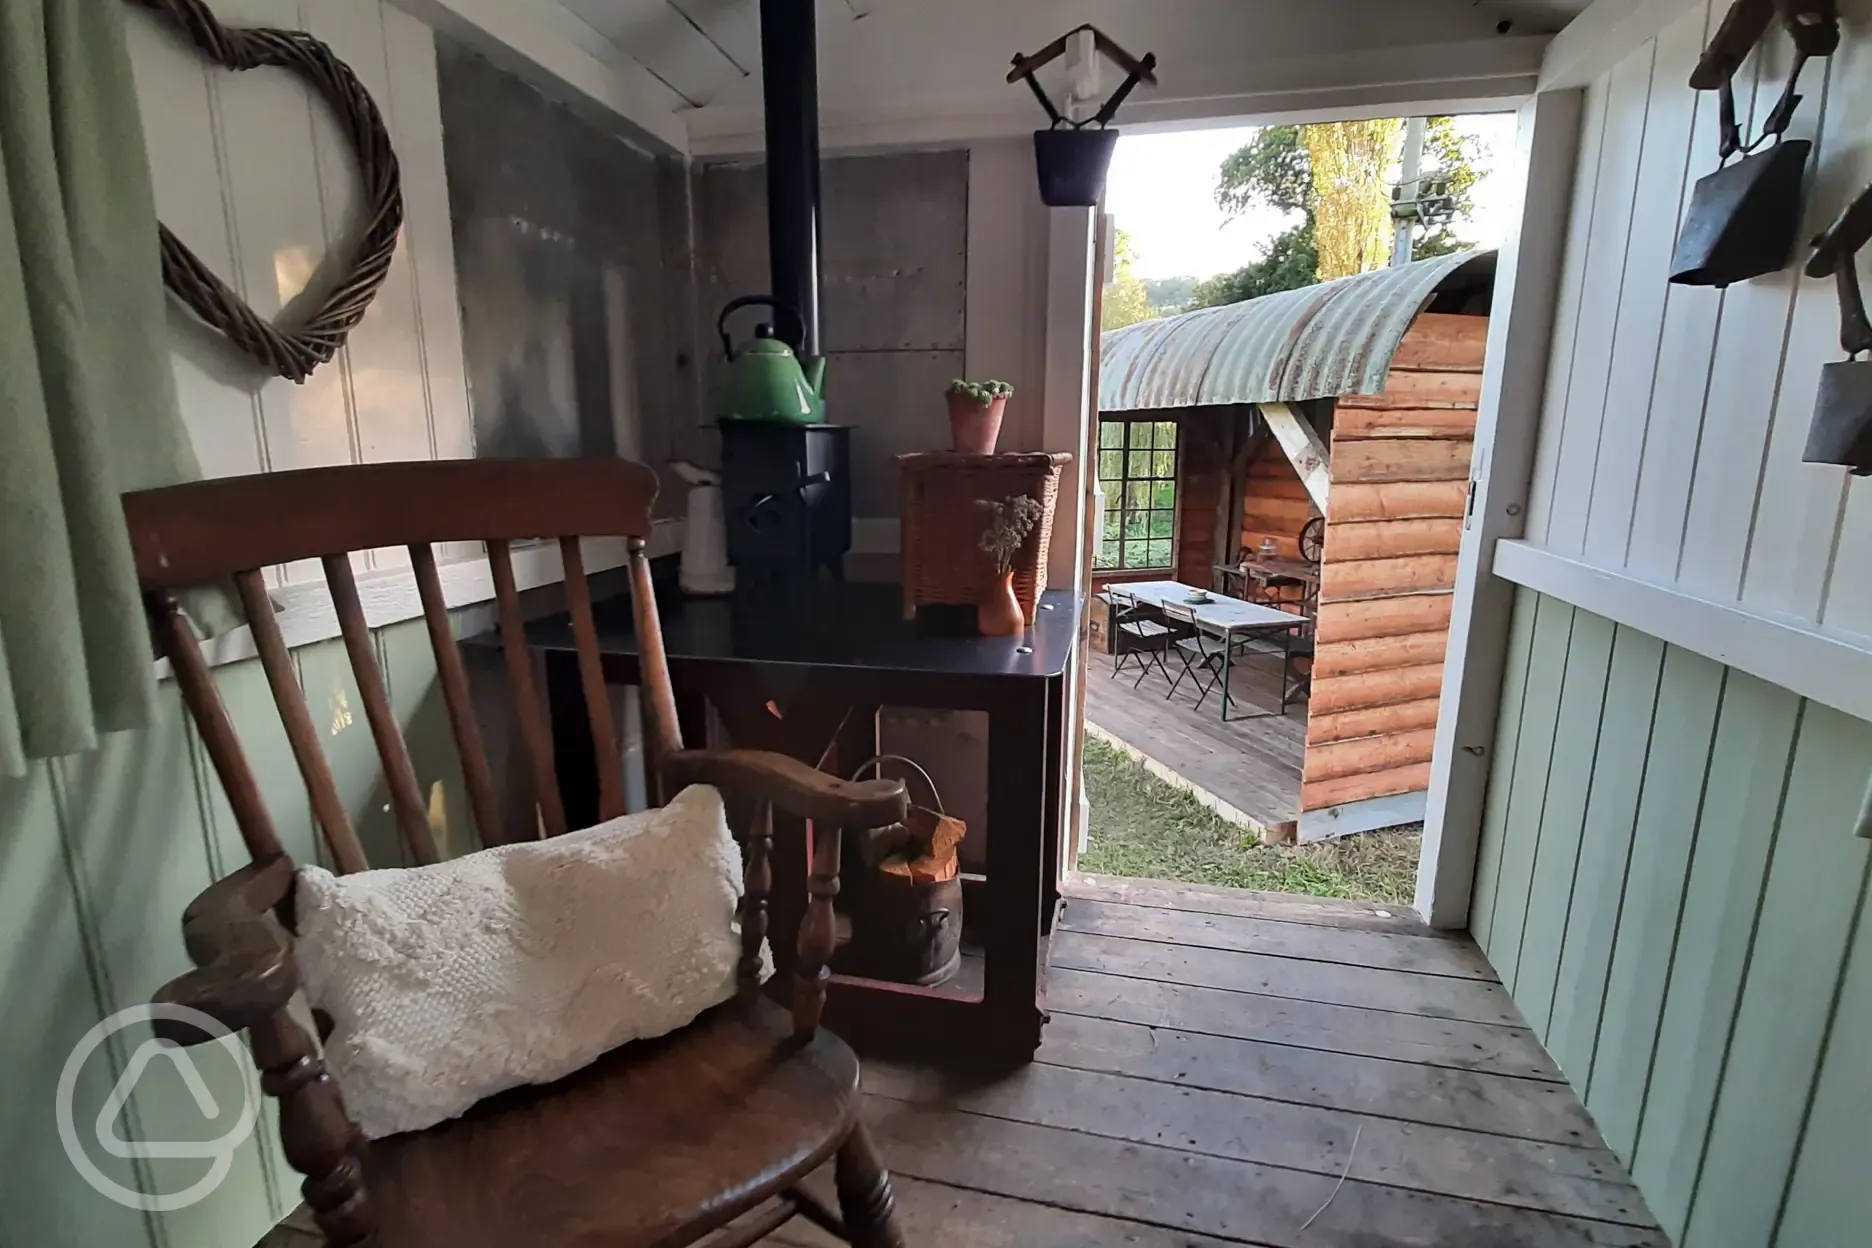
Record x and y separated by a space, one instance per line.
765 380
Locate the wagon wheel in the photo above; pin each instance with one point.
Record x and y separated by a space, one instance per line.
1313 539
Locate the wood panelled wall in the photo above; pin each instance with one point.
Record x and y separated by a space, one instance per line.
1670 887
100 852
1274 503
1400 468
1675 416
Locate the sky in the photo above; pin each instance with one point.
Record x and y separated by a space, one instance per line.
1161 191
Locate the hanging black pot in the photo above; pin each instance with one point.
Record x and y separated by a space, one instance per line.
1072 156
1841 432
1072 165
1744 219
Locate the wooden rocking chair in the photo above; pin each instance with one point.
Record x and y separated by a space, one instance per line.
659 1143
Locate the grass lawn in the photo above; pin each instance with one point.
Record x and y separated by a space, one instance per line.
1145 828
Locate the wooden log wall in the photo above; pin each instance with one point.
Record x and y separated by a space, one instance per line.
1274 503
1400 469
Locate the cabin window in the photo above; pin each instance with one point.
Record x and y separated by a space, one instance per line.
1137 466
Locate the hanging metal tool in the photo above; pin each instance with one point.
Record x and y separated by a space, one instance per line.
1745 218
1841 432
1072 156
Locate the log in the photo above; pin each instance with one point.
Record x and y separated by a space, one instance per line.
1413 778
1363 689
1389 539
1371 721
1401 500
1366 460
1382 617
1403 422
1443 341
1343 579
1412 388
1376 654
1337 759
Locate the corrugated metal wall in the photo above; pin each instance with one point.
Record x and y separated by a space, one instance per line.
1670 888
1400 468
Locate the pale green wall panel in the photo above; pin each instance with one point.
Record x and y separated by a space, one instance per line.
1556 856
1507 740
410 672
1747 776
1830 1199
1683 729
50 1004
99 854
1527 794
1605 849
1703 1001
134 821
1816 881
331 693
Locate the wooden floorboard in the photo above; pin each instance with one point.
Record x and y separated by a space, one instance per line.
1226 1067
1303 1024
1178 1189
1389 951
1253 764
1569 1179
1474 1100
1369 988
1281 907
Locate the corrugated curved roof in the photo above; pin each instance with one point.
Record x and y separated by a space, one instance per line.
1316 342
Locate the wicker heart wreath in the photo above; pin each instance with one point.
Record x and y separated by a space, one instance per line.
293 353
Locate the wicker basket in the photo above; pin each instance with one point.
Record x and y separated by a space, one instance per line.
941 526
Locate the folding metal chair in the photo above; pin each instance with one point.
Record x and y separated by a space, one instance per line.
1137 631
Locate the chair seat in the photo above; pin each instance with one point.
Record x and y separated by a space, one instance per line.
657 1142
1145 628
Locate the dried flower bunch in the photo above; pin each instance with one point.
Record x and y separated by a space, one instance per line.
1009 523
981 392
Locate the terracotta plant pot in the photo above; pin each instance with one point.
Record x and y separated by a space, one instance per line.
974 428
998 614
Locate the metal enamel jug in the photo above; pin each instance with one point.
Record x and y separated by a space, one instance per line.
1744 219
1841 432
765 380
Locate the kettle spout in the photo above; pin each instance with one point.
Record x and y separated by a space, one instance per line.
815 373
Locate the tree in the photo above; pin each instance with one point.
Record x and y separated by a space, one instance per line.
1345 181
1125 301
1351 198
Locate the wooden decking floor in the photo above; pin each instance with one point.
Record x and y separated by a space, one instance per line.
1252 764
1218 1061
1227 1068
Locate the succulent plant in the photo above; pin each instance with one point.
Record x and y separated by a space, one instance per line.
981 392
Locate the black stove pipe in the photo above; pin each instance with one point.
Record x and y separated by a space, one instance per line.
790 76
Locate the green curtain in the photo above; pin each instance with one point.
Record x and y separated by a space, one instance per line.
87 399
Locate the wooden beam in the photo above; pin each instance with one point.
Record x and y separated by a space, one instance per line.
1303 449
1514 377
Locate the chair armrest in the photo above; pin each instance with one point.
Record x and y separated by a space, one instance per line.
245 971
792 786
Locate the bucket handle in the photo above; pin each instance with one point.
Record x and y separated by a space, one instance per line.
878 762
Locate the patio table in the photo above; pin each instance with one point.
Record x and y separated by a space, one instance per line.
1229 618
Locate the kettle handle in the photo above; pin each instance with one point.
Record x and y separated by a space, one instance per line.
751 301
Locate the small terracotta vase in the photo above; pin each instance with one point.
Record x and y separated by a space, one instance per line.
974 428
999 614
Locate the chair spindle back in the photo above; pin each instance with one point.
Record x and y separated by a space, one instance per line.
231 529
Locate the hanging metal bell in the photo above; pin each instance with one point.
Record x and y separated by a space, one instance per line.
1841 432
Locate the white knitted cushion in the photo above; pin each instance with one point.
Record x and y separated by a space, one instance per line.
519 964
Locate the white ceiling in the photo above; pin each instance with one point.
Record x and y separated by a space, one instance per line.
904 58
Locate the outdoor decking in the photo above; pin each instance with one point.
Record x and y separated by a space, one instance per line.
1217 1062
1251 764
